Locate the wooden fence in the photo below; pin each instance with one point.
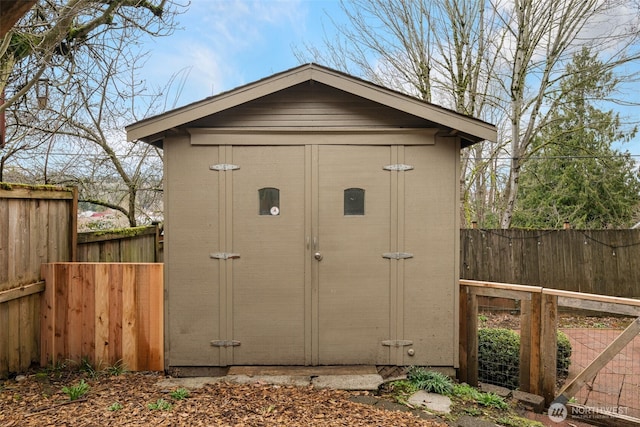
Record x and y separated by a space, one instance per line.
538 331
107 313
601 262
37 225
139 244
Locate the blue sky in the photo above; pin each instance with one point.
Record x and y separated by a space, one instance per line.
224 44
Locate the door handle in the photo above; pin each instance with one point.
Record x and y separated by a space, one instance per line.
318 256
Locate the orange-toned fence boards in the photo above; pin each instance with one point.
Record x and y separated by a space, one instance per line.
107 313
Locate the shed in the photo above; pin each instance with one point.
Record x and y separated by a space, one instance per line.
311 218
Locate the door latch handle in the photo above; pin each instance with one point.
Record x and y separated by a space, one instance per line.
318 256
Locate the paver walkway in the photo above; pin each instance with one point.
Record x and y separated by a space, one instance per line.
617 385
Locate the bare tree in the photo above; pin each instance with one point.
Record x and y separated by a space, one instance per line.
49 34
75 134
93 109
498 60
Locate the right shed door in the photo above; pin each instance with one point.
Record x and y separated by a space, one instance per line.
353 231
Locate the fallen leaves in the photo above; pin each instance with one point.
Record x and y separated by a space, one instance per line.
36 402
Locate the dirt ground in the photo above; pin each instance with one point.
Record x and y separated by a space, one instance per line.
38 400
505 319
132 399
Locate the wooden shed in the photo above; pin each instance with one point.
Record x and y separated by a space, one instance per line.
311 218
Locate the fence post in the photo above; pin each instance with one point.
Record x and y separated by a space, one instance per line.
463 370
468 336
530 329
549 347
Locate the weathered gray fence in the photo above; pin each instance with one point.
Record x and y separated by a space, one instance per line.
139 244
37 225
605 262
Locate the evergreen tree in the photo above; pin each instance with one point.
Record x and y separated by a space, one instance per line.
575 174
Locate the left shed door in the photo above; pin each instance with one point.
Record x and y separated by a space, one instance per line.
268 283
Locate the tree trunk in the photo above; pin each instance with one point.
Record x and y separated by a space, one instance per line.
511 192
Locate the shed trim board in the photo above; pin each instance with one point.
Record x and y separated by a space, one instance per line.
311 218
240 136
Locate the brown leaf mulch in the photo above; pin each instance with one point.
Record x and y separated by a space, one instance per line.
39 401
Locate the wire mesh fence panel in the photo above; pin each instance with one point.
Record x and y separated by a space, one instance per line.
616 386
499 341
511 335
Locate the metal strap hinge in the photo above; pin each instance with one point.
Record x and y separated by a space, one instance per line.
224 167
397 255
225 343
397 343
398 167
224 255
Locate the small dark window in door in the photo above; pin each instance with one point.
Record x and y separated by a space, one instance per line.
354 201
269 199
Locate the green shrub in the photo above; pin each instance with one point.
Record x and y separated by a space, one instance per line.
499 356
564 355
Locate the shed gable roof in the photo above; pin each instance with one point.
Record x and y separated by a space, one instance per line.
153 129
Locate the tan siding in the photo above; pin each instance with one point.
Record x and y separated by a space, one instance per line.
191 234
430 279
312 104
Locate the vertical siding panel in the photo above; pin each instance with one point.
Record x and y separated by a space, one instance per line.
87 276
35 334
14 336
60 321
129 321
74 313
4 244
25 333
142 307
156 322
47 317
115 313
4 340
101 304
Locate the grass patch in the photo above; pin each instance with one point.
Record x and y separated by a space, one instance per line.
76 391
179 394
116 406
159 405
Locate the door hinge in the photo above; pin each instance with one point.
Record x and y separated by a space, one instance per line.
225 343
397 343
223 255
224 167
397 255
398 167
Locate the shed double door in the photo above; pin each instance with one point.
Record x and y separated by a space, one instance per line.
310 225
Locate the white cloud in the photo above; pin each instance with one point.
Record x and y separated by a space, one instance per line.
227 43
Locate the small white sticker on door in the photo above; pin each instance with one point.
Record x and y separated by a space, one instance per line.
275 211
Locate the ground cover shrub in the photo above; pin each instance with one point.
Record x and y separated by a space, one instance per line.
430 381
499 356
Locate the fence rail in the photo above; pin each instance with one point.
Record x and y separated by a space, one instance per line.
605 361
106 312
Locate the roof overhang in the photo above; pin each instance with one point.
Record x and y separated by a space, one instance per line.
471 130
